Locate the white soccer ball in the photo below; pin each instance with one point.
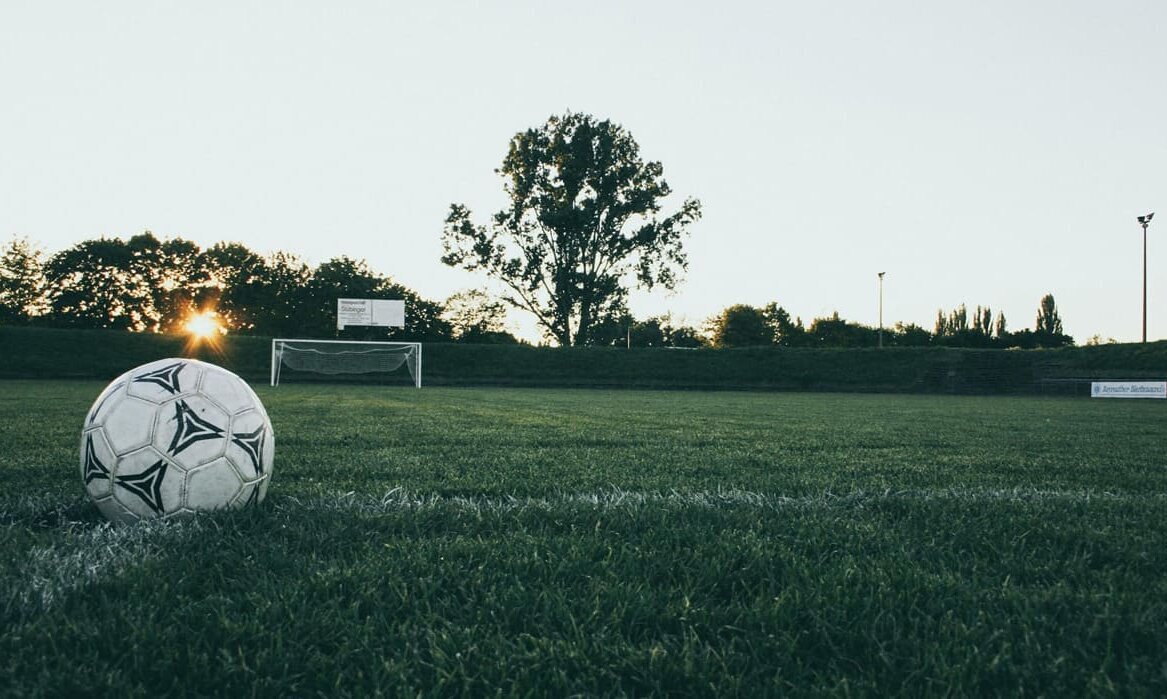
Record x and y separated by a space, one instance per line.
174 437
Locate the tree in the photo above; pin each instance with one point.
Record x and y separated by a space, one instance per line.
1048 326
176 276
141 284
611 329
1048 321
954 330
909 335
278 292
340 277
983 321
647 333
584 217
1047 330
836 332
236 277
423 317
476 317
675 335
252 293
954 324
93 285
741 325
659 331
22 282
684 336
1096 340
787 333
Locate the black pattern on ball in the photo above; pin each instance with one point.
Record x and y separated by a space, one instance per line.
191 428
94 469
166 377
252 444
147 485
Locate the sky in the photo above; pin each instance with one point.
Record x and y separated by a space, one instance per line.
983 153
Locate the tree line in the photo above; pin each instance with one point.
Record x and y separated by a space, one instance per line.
744 326
147 284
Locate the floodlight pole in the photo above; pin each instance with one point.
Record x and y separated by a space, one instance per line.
881 308
1145 221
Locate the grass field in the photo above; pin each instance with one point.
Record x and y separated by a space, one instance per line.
481 541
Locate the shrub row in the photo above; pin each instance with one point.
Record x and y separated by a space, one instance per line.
100 354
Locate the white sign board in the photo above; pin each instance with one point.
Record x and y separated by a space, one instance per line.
376 312
1128 389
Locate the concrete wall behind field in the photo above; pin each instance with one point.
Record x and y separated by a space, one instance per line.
101 354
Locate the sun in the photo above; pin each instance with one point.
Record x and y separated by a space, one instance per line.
204 325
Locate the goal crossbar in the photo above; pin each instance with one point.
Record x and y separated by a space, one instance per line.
334 357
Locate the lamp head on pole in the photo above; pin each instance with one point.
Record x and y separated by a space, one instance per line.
881 274
1144 220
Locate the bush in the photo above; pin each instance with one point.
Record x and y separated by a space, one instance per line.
104 354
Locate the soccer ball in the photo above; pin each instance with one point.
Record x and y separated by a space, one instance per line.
174 437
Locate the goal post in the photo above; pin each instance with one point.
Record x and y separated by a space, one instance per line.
334 357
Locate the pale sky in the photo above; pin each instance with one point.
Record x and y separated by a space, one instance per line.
984 153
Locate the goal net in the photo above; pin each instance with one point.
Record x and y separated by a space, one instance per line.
333 357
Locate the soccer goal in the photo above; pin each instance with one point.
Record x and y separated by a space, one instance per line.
333 357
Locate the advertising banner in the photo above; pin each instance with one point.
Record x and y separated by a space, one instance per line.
1128 389
375 312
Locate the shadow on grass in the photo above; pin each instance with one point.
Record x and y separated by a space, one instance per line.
45 513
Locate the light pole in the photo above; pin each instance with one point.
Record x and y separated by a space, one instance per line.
881 308
1145 221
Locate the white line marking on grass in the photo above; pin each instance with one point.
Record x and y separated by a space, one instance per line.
400 499
90 555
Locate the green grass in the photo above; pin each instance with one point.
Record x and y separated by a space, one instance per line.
482 541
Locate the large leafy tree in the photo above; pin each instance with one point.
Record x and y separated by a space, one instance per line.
584 219
788 332
150 285
138 284
741 325
93 284
235 285
252 293
277 292
22 283
176 276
